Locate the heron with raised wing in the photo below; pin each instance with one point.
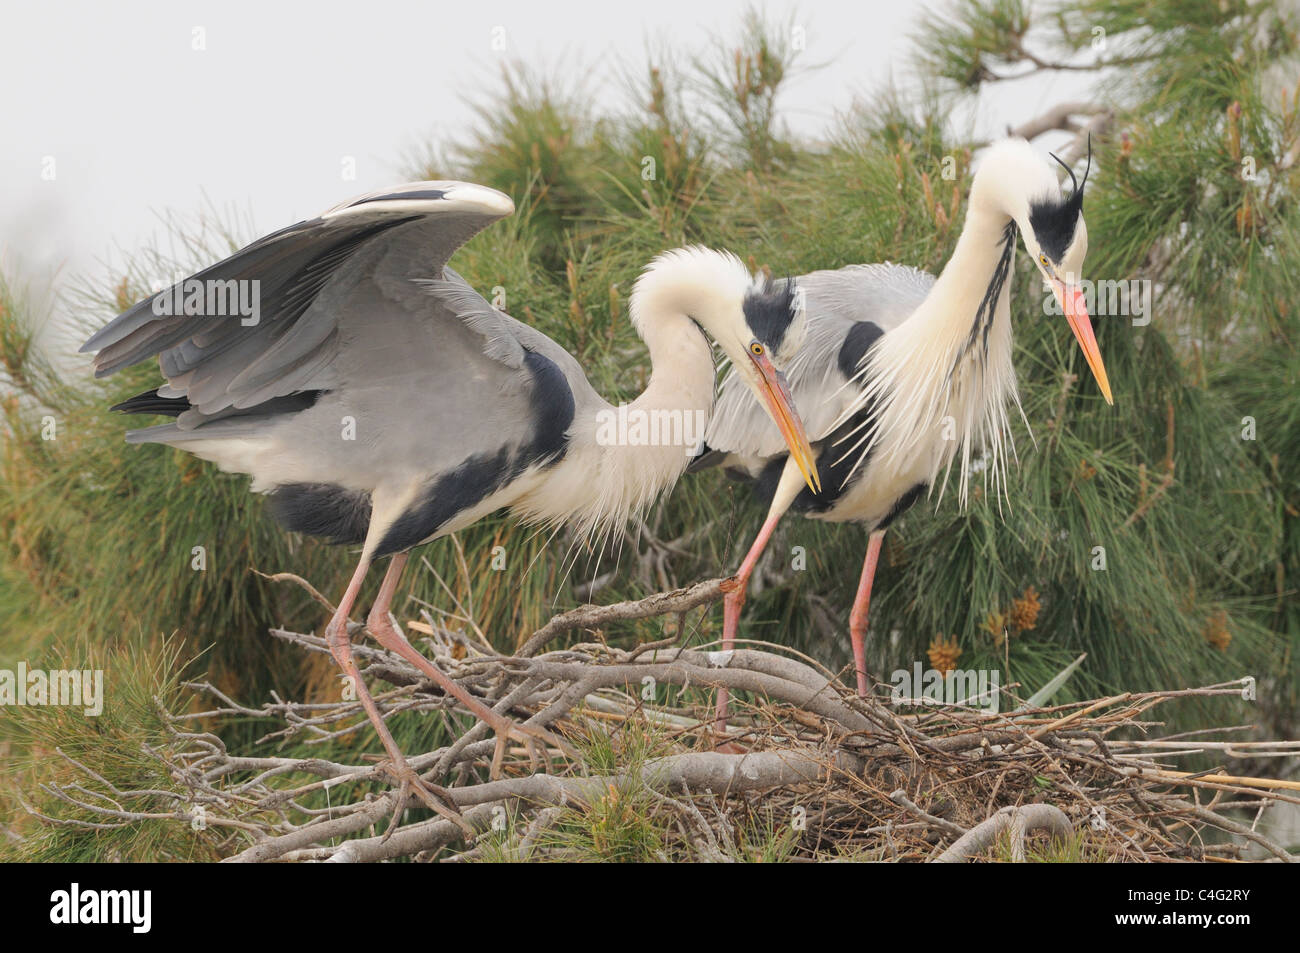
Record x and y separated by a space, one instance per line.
380 401
902 373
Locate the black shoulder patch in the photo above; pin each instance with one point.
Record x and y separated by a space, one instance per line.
1054 222
839 470
769 311
856 344
470 483
553 407
322 509
483 474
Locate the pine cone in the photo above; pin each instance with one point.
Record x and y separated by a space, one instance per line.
1216 630
995 624
1024 611
944 653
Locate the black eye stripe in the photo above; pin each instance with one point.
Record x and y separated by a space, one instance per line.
1054 222
769 312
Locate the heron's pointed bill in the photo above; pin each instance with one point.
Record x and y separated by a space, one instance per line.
776 394
1076 312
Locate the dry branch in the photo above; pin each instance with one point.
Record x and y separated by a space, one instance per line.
1019 821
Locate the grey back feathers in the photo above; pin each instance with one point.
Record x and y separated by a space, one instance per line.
505 339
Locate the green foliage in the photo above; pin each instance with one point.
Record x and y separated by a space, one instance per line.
1078 848
741 84
630 822
626 823
61 745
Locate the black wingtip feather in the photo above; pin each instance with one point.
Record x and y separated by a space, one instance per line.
150 403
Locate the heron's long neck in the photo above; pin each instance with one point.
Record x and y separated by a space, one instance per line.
673 409
622 457
681 365
961 310
942 378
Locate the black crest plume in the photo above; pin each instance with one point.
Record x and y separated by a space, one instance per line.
1078 188
1054 220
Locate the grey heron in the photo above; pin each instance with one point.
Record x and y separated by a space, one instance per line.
901 373
379 400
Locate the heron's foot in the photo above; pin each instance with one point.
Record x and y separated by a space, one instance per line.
534 739
435 798
391 637
731 606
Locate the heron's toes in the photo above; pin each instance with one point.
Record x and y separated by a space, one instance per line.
435 798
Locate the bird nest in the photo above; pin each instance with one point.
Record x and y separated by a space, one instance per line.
806 771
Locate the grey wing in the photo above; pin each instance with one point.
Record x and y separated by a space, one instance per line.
835 302
226 360
376 387
505 339
884 294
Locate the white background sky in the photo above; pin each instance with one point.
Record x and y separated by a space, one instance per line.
255 125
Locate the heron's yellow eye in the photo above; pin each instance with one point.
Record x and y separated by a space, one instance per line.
756 349
1042 260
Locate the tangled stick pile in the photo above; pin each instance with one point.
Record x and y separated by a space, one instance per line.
809 771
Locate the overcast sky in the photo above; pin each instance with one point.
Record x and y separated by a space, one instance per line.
115 113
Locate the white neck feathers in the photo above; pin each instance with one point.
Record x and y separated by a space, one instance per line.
938 385
620 459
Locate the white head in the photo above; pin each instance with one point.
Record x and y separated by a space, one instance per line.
1015 180
758 323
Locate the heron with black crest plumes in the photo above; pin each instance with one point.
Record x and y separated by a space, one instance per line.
902 374
382 402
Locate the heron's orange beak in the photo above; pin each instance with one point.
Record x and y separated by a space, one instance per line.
776 394
1076 312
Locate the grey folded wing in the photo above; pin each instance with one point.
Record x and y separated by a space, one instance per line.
847 310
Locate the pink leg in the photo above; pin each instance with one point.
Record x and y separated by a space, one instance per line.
734 601
336 636
380 624
858 617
